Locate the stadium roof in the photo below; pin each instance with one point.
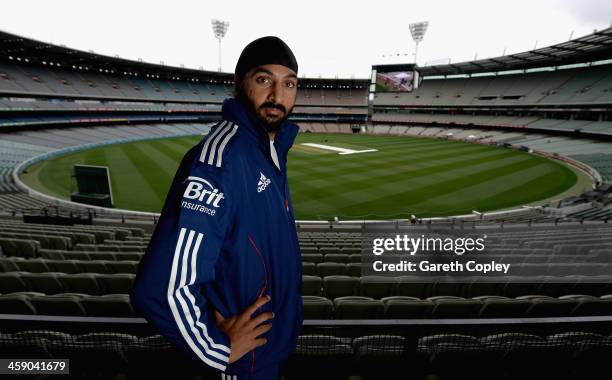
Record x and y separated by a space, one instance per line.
593 47
24 50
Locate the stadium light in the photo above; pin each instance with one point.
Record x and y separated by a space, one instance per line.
219 30
417 30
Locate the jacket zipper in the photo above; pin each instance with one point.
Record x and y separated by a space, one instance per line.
283 179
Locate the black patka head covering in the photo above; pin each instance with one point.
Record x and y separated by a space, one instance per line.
264 51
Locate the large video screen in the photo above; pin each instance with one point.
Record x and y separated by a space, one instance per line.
394 81
394 78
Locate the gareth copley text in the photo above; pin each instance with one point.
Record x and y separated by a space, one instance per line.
405 245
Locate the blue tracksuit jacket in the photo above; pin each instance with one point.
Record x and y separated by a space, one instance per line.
225 237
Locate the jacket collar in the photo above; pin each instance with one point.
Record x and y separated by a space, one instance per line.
235 112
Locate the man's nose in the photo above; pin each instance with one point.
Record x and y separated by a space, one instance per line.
276 93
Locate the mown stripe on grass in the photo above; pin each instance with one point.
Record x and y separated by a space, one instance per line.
147 187
452 180
422 183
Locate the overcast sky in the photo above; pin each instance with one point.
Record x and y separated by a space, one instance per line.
329 38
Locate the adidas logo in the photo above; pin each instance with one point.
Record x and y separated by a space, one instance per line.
263 182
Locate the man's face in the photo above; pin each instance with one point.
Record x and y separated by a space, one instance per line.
269 91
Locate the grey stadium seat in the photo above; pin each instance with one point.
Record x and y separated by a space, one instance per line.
405 307
81 283
316 307
331 269
108 305
16 304
340 286
119 283
47 283
377 286
311 285
356 307
309 268
58 304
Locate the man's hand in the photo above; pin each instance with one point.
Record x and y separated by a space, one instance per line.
244 331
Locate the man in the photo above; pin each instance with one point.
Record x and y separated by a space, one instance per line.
221 277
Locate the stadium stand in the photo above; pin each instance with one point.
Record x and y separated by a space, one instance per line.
554 99
75 263
94 283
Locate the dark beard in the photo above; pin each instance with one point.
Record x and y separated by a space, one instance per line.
246 102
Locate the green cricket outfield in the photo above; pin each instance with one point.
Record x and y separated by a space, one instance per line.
397 175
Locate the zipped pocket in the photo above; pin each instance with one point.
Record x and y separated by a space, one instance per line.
263 287
263 264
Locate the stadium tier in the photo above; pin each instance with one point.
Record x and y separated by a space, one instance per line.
534 354
86 272
137 94
67 83
72 270
589 85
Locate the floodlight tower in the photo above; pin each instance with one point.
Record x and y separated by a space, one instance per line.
417 30
219 29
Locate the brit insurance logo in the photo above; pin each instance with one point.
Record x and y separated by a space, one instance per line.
263 182
201 196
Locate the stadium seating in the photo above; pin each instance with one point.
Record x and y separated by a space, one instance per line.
577 86
94 278
89 274
444 355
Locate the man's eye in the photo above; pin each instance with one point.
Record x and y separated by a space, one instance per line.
261 79
290 84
